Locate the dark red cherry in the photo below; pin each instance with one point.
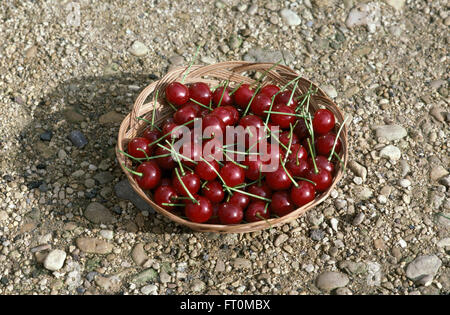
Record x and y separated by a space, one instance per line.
257 211
270 90
281 203
215 126
230 213
301 130
199 211
283 98
254 167
152 135
190 180
190 151
297 168
206 170
165 194
323 121
243 95
177 93
197 109
303 193
213 149
298 152
260 104
262 190
284 138
171 128
136 145
165 162
224 113
253 126
227 100
280 119
151 175
278 180
323 179
213 190
322 162
232 174
251 121
240 200
200 92
234 114
324 144
184 114
214 219
165 181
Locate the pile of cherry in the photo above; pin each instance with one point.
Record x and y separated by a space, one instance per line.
228 191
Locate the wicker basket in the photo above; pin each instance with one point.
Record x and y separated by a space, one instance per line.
212 75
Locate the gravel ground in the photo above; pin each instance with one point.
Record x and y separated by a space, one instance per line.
69 224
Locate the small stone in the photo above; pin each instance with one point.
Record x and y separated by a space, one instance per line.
98 214
367 14
104 177
31 52
235 42
359 218
445 242
447 21
353 268
330 91
145 276
138 254
264 55
111 117
351 91
317 234
242 263
55 260
425 280
219 5
208 60
176 60
93 245
437 84
123 190
390 132
363 193
150 289
78 139
73 116
405 183
220 266
378 243
334 224
290 17
438 172
3 215
343 291
46 136
396 4
62 155
331 280
107 234
138 49
164 277
89 183
197 285
391 152
280 240
315 218
358 169
382 199
373 274
109 284
252 9
423 266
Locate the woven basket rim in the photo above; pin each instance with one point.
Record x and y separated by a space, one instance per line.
232 69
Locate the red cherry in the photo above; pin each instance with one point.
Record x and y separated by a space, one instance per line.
152 135
165 162
203 112
200 211
151 175
192 151
136 145
232 174
240 200
200 92
297 168
262 190
184 114
284 138
260 104
214 124
205 171
253 126
169 128
190 180
197 109
270 90
213 149
323 121
177 93
227 100
298 152
324 144
214 219
282 120
234 113
165 194
254 166
278 180
224 114
257 211
281 203
251 121
243 95
213 191
165 182
303 193
323 179
283 98
301 130
321 162
230 213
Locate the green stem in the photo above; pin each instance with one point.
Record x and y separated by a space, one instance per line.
191 63
223 92
249 194
131 171
154 109
184 186
313 158
236 88
337 138
288 174
168 134
173 204
305 179
199 104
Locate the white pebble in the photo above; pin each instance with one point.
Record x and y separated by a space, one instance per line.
382 199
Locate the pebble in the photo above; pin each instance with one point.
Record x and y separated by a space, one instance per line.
438 172
437 84
94 245
445 181
145 276
405 183
150 289
343 291
46 136
252 9
353 268
109 284
317 234
235 42
197 285
3 215
138 49
89 183
138 254
329 90
281 239
367 14
373 274
164 277
438 113
78 139
107 234
99 214
391 152
363 193
315 218
111 117
62 155
55 260
422 266
382 199
331 280
359 218
242 263
290 17
104 177
334 224
396 4
390 132
123 190
445 242
265 55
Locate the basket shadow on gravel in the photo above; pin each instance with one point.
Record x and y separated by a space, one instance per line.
83 103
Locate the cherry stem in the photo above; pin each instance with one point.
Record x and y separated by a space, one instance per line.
172 106
218 175
199 104
260 175
191 63
288 174
305 96
259 216
145 153
234 162
223 92
337 138
316 170
251 100
283 113
266 72
168 134
340 161
236 88
305 179
293 91
246 184
173 204
131 171
184 186
154 110
249 194
204 183
149 122
140 159
276 137
243 153
290 143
